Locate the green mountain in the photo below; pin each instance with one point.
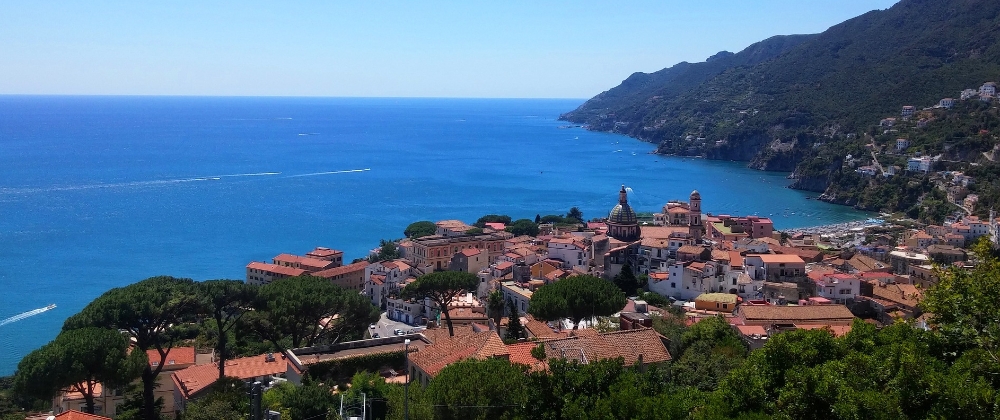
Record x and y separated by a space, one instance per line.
806 99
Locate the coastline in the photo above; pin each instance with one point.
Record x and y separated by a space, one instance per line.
837 227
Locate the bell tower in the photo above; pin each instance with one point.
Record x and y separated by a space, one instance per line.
694 217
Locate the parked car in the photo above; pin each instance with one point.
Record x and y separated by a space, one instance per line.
397 331
375 335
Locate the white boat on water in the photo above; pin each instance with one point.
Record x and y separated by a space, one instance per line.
52 306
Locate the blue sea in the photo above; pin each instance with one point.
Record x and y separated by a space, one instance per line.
99 192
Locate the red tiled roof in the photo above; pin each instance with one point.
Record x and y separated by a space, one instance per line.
447 350
277 269
504 265
496 226
808 313
196 378
308 262
336 271
176 356
324 252
630 345
79 415
778 258
471 252
690 249
662 232
520 353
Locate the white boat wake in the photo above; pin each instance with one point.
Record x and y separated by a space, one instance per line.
28 314
162 182
331 172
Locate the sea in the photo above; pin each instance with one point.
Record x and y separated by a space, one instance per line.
99 192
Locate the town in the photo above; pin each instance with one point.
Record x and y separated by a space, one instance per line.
681 263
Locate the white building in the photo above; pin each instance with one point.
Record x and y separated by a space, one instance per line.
386 278
946 103
902 144
520 295
838 287
572 251
988 89
919 164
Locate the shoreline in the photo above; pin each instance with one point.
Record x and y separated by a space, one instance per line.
837 227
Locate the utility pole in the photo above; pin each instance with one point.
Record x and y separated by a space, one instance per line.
406 385
255 397
364 406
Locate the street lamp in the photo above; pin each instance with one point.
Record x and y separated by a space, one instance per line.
406 385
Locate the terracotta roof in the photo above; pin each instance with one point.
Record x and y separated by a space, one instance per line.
345 269
807 254
877 275
542 330
324 252
690 249
277 269
496 226
176 356
627 344
471 252
661 232
313 263
520 353
808 313
196 378
377 278
655 242
79 415
504 265
555 274
778 258
447 350
735 259
465 313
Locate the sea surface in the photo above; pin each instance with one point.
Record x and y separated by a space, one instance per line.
100 192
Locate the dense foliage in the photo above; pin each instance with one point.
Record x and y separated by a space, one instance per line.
420 229
576 298
523 227
162 313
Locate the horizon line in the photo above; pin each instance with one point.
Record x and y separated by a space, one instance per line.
115 95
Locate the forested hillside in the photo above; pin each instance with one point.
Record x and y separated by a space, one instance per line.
776 102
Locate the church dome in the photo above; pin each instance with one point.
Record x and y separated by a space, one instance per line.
695 195
622 214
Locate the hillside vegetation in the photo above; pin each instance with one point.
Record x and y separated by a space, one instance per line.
802 103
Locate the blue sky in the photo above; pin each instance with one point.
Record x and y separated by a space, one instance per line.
550 49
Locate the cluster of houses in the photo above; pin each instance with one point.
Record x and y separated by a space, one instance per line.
761 281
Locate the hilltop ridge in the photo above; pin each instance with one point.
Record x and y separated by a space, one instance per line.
790 99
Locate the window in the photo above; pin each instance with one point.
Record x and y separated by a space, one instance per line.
673 285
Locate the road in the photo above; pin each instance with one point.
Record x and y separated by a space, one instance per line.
385 326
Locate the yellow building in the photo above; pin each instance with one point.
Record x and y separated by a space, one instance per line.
722 302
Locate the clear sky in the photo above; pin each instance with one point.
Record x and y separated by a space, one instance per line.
470 48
